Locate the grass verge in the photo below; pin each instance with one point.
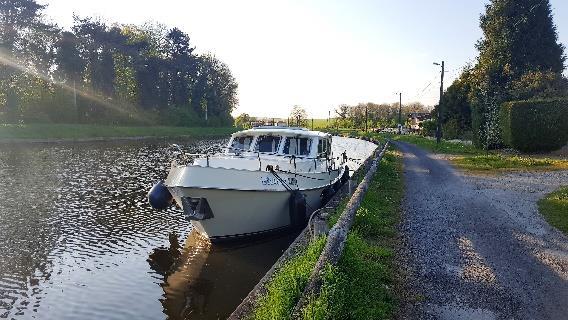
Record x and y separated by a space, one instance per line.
288 283
444 146
86 131
496 162
361 286
554 208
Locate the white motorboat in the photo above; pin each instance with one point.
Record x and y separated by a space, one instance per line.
266 179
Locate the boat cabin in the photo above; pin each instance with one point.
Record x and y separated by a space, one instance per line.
284 141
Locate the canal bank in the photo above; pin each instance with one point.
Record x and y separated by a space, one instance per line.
61 133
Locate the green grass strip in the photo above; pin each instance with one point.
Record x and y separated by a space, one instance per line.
554 208
500 162
361 285
288 283
445 147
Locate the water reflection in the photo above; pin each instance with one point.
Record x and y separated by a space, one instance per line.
211 280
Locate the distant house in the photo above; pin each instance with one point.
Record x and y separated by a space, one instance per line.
415 120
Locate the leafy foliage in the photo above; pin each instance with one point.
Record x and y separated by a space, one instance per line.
535 125
121 74
298 116
243 121
378 115
456 108
520 42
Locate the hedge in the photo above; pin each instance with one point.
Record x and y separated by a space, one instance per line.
535 125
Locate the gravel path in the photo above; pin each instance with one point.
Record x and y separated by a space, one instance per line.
476 247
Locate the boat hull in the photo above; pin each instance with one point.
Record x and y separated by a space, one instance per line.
241 213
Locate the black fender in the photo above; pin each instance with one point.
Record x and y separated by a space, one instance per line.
159 196
298 209
326 195
345 176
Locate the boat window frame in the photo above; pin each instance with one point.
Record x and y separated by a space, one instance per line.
310 147
234 150
278 147
325 147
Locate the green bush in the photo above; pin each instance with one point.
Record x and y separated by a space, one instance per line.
451 129
535 125
429 127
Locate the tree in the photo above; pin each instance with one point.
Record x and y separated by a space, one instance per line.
299 116
124 74
456 108
215 89
18 18
69 62
243 121
182 64
519 37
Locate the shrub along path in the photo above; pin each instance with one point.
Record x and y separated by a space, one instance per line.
477 247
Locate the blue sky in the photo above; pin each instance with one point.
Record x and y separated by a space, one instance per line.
318 54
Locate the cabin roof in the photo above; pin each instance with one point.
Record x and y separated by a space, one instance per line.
287 131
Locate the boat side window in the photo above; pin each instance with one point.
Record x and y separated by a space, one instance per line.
267 144
324 147
297 146
321 147
242 143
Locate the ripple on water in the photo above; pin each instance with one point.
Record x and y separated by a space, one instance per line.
76 228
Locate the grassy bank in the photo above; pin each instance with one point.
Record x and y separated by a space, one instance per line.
554 208
288 283
86 131
445 147
496 163
468 157
361 285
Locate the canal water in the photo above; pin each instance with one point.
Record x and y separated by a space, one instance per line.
76 233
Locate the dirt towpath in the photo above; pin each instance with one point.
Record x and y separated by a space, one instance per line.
475 247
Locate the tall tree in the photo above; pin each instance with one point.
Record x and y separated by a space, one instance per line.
182 65
298 116
70 64
17 18
519 37
456 107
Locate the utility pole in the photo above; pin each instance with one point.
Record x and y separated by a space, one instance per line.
439 113
205 112
74 95
400 113
366 117
312 124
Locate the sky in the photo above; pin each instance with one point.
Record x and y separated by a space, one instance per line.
318 54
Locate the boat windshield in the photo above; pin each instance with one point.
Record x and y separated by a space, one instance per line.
241 143
267 144
297 146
